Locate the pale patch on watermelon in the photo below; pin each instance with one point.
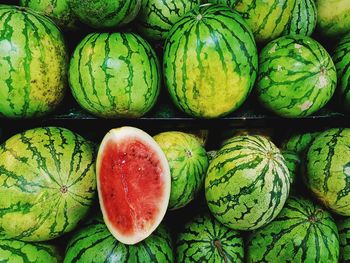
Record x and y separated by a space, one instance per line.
133 180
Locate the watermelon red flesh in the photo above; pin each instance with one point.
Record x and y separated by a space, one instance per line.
133 184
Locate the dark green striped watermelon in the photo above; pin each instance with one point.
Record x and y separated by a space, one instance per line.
58 10
303 20
341 58
33 61
296 76
105 13
302 232
15 251
300 142
247 183
327 169
333 17
293 162
47 183
94 243
115 75
188 162
210 61
206 240
229 3
267 18
156 18
344 238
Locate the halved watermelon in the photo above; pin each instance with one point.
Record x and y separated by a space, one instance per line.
133 180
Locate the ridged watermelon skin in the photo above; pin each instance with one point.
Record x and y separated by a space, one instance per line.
188 162
296 76
247 183
302 232
59 11
94 242
333 17
33 60
341 58
156 17
115 75
344 239
303 20
210 56
206 240
19 251
105 13
300 142
267 18
327 169
47 183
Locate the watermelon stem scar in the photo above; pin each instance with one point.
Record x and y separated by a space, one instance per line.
64 189
218 245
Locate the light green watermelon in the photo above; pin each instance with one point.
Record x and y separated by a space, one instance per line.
344 238
47 183
302 232
115 75
210 61
188 162
206 240
33 59
94 243
247 183
327 169
296 76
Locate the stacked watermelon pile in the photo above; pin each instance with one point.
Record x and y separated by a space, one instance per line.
118 198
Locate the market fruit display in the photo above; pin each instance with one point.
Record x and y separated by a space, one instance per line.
47 183
33 59
327 169
115 75
105 13
210 56
131 165
302 232
344 239
296 76
341 58
333 17
19 251
204 239
303 20
293 162
59 11
95 242
188 162
268 19
156 17
247 183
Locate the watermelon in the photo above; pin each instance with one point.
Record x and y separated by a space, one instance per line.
95 242
59 11
296 76
327 169
299 142
188 162
344 239
47 183
105 13
293 162
210 56
133 183
302 232
333 17
115 75
33 60
341 58
247 183
267 18
15 251
206 240
229 3
156 18
303 20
